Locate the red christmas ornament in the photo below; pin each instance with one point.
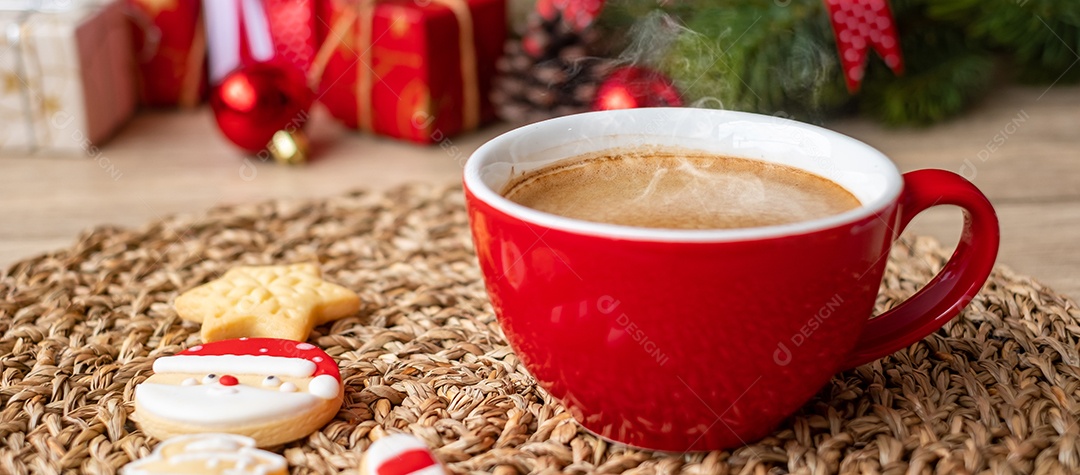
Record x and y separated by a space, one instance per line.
630 87
254 102
860 25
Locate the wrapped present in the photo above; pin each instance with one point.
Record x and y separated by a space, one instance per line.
170 48
67 77
418 70
243 32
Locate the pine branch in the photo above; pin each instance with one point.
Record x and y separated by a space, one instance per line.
1041 36
756 56
925 97
944 74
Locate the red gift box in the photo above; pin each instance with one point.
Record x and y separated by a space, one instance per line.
418 70
170 49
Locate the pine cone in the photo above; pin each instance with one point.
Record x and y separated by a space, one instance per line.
551 70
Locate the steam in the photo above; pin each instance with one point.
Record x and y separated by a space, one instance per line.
650 188
772 63
653 40
687 181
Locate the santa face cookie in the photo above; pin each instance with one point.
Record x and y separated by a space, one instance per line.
271 390
208 454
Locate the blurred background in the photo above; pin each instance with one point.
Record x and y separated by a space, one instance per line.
121 112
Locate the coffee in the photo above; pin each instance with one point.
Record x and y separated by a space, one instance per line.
680 190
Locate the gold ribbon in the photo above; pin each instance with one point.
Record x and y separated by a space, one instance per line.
363 15
193 68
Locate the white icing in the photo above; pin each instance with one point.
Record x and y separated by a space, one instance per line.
244 461
209 379
189 382
209 406
393 445
212 450
219 443
430 470
272 381
287 388
317 359
324 386
305 346
235 364
221 390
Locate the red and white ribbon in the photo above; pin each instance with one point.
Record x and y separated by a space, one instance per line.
241 31
860 25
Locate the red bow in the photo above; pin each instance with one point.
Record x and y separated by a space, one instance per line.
858 25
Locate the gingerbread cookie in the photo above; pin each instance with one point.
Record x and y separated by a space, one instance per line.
400 454
208 454
266 301
271 390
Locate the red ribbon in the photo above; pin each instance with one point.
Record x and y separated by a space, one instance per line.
293 25
859 25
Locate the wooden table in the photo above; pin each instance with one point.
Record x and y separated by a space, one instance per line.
1020 146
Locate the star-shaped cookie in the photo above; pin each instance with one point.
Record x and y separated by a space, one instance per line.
266 302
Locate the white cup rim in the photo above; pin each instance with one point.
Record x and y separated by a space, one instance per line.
871 175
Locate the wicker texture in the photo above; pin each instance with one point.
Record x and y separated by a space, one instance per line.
994 391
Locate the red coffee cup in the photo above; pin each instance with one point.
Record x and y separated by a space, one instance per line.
685 340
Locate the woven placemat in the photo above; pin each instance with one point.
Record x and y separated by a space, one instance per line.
995 391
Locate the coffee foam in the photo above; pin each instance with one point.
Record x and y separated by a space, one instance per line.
659 188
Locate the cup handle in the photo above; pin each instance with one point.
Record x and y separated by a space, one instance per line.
957 283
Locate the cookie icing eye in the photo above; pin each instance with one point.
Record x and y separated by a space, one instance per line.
189 382
209 379
288 388
272 381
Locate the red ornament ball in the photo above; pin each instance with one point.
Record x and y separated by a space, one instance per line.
258 100
630 87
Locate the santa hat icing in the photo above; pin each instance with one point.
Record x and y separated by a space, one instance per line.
400 454
269 356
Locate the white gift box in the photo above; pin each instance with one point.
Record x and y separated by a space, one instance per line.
66 75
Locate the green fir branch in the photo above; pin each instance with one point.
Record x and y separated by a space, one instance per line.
758 56
924 97
1042 37
945 72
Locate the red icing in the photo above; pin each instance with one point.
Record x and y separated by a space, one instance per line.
324 364
228 380
406 462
